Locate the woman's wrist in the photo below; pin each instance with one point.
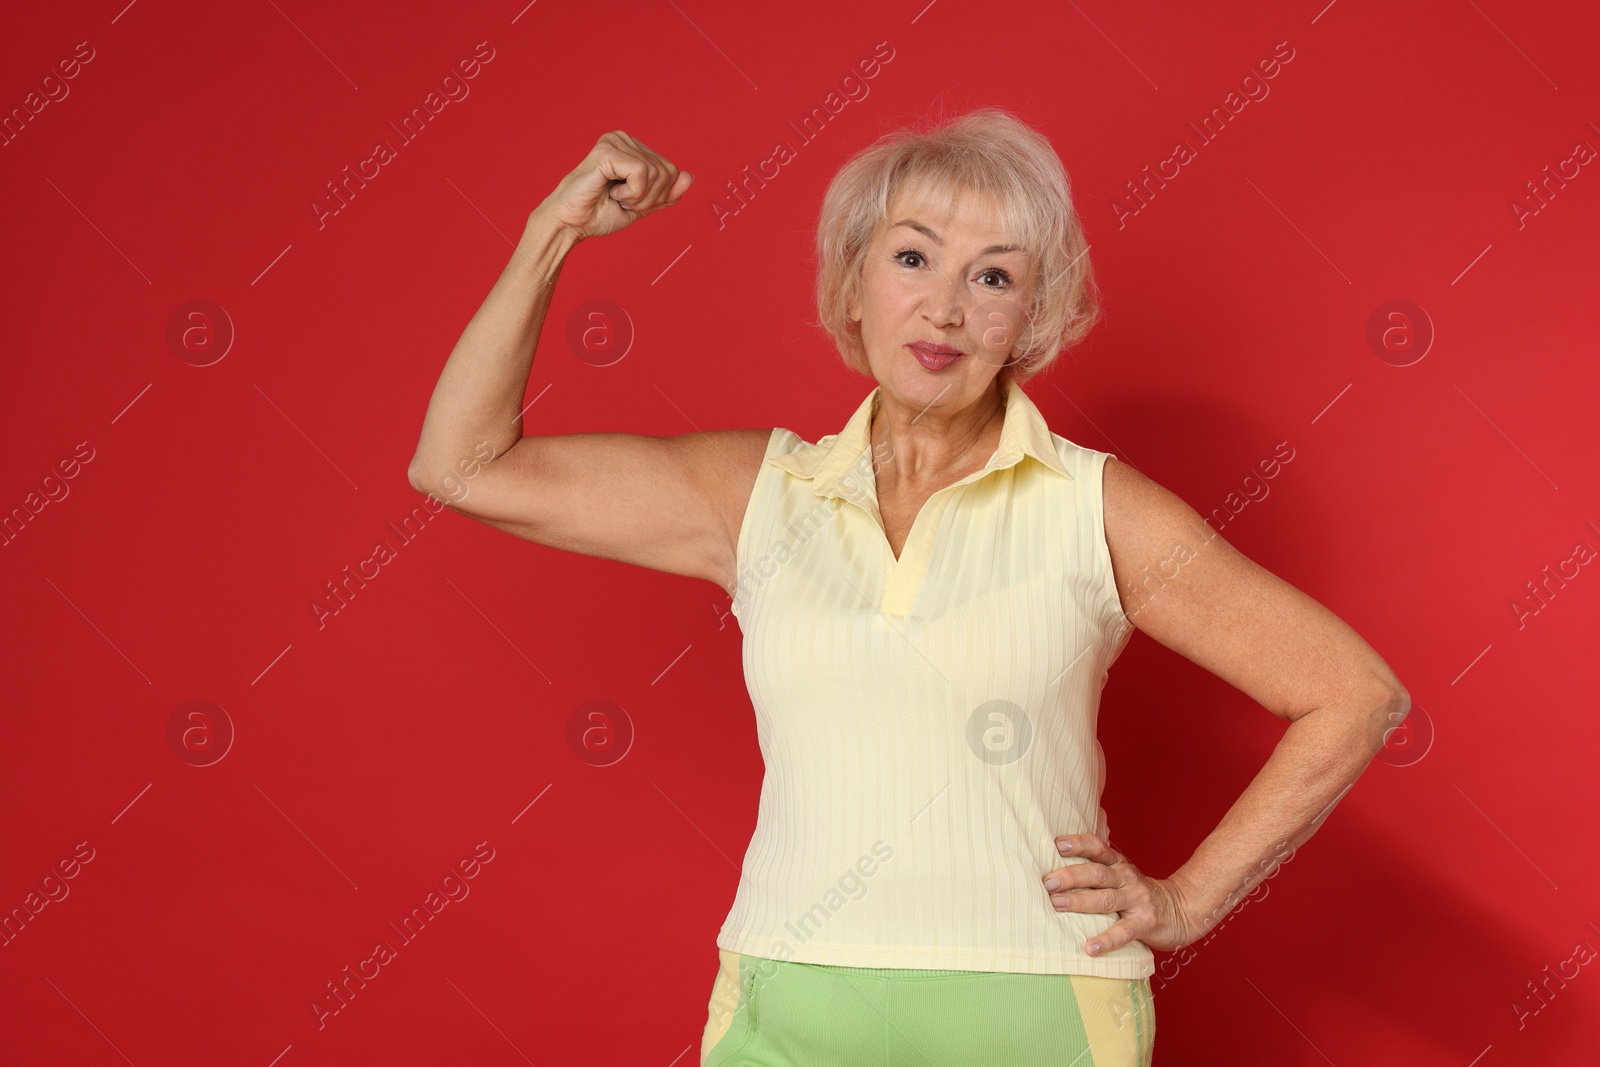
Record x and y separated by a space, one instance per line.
543 227
538 256
1202 901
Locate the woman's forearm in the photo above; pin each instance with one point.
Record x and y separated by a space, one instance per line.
478 398
1318 759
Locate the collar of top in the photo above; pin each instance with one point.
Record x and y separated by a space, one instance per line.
1023 433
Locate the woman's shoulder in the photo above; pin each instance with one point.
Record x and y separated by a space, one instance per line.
793 452
749 452
1080 461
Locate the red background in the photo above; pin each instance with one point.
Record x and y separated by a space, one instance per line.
375 750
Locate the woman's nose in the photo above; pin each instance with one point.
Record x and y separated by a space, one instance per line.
945 301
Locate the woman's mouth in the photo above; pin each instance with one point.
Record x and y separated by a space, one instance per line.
934 357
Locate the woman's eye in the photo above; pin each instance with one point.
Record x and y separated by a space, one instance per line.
1002 279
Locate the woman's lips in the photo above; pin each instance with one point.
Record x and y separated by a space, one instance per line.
933 359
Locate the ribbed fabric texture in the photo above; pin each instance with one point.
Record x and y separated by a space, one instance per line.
927 723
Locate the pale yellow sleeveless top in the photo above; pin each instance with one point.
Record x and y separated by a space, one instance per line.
927 724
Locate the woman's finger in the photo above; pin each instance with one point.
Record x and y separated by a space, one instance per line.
1080 875
667 175
1091 846
646 201
627 174
618 182
635 191
659 179
656 188
1095 901
663 185
1117 935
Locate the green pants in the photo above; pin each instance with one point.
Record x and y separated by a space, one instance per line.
770 1013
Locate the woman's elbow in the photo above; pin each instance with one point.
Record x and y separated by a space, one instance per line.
422 475
1388 710
1399 703
414 474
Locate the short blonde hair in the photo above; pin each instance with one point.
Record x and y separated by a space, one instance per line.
988 152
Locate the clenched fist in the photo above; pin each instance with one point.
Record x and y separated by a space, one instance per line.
620 180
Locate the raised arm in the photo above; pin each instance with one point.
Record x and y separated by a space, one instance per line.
668 503
477 402
475 410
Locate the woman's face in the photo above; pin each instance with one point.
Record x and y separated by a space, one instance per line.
944 281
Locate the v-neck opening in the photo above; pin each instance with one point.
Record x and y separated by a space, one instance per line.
843 468
916 520
911 530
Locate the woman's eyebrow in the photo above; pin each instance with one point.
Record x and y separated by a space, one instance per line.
936 239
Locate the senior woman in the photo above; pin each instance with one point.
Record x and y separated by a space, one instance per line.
930 598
